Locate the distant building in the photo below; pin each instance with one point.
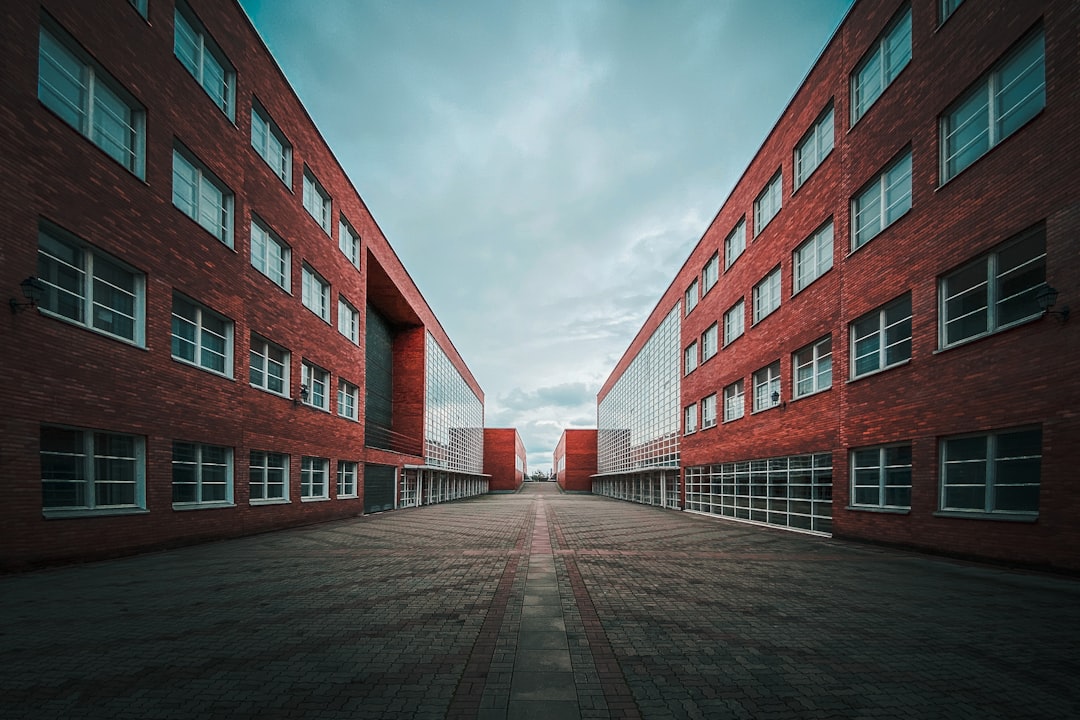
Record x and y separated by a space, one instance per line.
504 459
574 460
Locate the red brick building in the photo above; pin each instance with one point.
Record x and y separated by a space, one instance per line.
504 459
864 348
225 342
574 460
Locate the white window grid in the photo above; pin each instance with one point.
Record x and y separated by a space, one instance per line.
708 411
882 338
204 60
889 55
994 473
268 477
690 358
270 143
315 293
710 274
691 296
734 401
767 391
768 203
882 202
767 296
735 244
453 415
91 471
814 147
709 340
347 399
269 366
348 320
202 197
349 241
814 257
201 474
316 201
347 471
734 322
201 337
690 417
812 367
270 255
317 382
881 476
314 478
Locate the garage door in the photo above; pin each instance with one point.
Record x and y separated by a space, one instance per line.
379 487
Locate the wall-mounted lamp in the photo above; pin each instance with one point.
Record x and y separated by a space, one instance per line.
303 395
33 290
776 399
1047 297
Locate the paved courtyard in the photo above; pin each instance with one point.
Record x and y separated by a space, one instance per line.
537 605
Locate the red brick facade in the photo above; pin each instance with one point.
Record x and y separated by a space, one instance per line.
57 373
574 461
504 459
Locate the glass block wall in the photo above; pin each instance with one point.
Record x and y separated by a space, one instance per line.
453 416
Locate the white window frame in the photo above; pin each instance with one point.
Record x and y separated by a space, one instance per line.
884 335
198 317
215 219
709 342
84 462
766 383
983 103
314 478
317 200
76 278
221 90
691 296
349 241
270 255
883 62
813 258
348 399
93 110
811 368
734 322
316 381
815 146
690 358
886 473
990 472
887 198
270 143
259 474
261 361
767 295
199 463
348 472
734 400
690 418
708 411
315 292
735 243
710 274
769 202
348 320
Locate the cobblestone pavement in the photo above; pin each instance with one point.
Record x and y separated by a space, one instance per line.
453 611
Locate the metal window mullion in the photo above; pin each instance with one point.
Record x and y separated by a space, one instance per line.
89 474
991 292
991 472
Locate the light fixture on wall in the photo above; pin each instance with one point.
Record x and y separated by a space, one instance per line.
303 395
33 290
1047 297
776 400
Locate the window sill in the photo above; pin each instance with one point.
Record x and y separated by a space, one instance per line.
883 510
811 394
87 513
708 427
138 344
879 371
977 515
272 501
196 366
314 499
991 333
202 506
688 434
315 407
354 496
726 421
350 419
763 410
269 392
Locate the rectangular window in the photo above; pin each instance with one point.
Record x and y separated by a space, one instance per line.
202 197
813 367
316 201
734 401
269 366
882 338
139 5
767 296
994 473
270 143
710 274
995 291
768 203
346 478
708 342
347 396
690 419
204 60
268 475
708 411
348 320
946 8
89 288
691 296
881 477
690 357
814 147
882 201
315 293
88 470
767 387
201 474
734 321
270 255
317 383
734 244
349 241
814 257
889 55
999 103
92 102
201 337
314 478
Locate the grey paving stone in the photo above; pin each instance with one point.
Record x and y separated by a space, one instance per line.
541 640
546 710
545 660
543 686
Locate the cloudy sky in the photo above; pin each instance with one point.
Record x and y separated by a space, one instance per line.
544 167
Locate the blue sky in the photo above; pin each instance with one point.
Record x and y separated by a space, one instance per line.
543 168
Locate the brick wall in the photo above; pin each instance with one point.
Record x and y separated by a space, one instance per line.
502 448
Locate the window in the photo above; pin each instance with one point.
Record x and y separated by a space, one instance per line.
270 143
690 419
314 478
270 255
994 473
269 366
708 342
813 367
201 474
814 257
690 356
734 401
995 291
734 320
349 241
710 273
202 197
85 470
889 55
268 475
947 7
1012 93
814 147
139 5
202 58
346 478
88 99
881 477
886 198
316 293
201 337
348 320
767 387
691 296
708 411
734 244
317 382
347 396
316 201
768 203
89 288
767 295
882 338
